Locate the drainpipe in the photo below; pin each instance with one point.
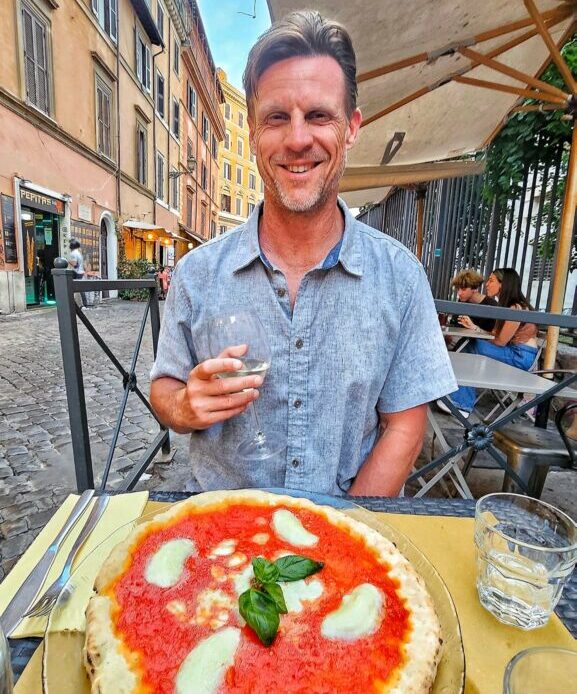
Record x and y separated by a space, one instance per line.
118 201
153 77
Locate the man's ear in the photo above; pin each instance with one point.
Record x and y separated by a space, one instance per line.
353 128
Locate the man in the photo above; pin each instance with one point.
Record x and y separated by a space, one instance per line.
76 262
357 347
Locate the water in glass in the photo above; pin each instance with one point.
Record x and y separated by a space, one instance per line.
526 551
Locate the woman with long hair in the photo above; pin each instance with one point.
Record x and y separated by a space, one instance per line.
515 342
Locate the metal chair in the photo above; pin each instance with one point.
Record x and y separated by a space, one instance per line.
531 451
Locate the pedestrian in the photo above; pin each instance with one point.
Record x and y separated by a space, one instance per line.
357 347
163 281
76 262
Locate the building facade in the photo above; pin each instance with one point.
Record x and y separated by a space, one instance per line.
241 186
91 136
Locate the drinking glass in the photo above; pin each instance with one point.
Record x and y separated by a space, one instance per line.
540 670
245 328
6 684
526 550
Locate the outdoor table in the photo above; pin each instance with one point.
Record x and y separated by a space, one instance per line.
451 552
464 336
483 372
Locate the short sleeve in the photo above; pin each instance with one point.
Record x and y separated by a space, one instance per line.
420 370
175 356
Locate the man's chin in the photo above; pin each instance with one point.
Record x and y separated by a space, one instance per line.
302 203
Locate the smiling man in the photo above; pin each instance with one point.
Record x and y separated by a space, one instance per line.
357 348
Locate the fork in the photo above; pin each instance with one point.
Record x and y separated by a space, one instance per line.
47 600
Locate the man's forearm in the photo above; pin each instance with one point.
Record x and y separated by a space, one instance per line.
390 462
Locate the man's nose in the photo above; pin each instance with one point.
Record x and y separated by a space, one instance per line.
298 136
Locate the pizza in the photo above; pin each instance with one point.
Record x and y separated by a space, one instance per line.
166 616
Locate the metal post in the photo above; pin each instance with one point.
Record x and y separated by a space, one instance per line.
71 362
155 326
420 195
563 252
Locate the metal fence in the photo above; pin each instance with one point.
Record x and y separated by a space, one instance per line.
462 229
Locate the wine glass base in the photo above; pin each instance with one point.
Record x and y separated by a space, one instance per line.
261 448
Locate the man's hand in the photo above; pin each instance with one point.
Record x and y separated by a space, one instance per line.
466 322
205 399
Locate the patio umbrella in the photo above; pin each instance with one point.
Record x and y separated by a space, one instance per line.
438 79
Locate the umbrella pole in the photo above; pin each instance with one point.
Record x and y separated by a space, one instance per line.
421 193
563 252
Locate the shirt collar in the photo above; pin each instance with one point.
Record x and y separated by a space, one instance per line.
349 254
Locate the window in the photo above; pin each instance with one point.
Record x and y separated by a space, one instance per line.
189 210
205 128
159 176
212 228
203 221
141 153
36 59
226 170
160 20
222 229
252 158
160 94
252 181
227 140
191 100
106 12
238 206
176 56
189 149
174 192
239 175
262 186
103 118
204 176
227 111
142 61
212 187
175 117
250 208
239 147
214 147
241 119
225 203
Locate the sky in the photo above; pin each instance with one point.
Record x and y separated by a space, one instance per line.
230 34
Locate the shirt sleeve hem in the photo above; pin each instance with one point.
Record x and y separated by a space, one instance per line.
421 399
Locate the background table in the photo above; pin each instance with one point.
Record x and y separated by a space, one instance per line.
22 649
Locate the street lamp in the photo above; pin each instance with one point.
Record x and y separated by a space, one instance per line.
190 168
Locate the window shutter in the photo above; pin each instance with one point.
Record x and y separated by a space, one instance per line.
41 66
137 48
29 57
95 7
113 19
147 68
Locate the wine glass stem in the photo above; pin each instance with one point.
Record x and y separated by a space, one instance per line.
258 433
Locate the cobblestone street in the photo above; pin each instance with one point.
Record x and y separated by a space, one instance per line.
36 462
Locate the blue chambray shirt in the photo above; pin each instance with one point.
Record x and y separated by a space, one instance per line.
363 338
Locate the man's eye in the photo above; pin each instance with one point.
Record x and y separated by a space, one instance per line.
318 116
276 118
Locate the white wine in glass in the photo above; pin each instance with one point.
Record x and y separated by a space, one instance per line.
245 328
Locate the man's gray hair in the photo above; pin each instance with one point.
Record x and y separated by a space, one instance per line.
305 34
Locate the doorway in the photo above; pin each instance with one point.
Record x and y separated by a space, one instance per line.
40 236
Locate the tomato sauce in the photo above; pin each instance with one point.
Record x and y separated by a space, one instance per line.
300 659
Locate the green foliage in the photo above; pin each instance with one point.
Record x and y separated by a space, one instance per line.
528 140
133 270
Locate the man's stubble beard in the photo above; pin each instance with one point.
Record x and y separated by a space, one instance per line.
316 199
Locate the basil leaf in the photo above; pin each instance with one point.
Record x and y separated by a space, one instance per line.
260 613
264 570
275 592
293 567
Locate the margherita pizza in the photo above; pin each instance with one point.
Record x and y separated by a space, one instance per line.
165 618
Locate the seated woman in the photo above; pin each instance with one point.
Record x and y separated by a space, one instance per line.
515 343
468 283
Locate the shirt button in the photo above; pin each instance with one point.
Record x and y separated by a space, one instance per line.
281 292
297 403
295 463
299 343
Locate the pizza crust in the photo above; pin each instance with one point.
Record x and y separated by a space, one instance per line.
107 663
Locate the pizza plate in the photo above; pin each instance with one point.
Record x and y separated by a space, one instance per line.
62 658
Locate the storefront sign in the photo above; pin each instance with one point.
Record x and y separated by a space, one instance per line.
38 201
9 230
89 237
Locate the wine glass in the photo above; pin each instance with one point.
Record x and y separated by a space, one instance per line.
245 328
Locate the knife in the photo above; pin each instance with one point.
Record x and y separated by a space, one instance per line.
25 595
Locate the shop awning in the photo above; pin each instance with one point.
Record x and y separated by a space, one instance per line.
145 226
192 234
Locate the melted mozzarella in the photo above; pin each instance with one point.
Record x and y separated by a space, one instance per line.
204 668
289 528
223 549
360 614
242 580
297 592
165 566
